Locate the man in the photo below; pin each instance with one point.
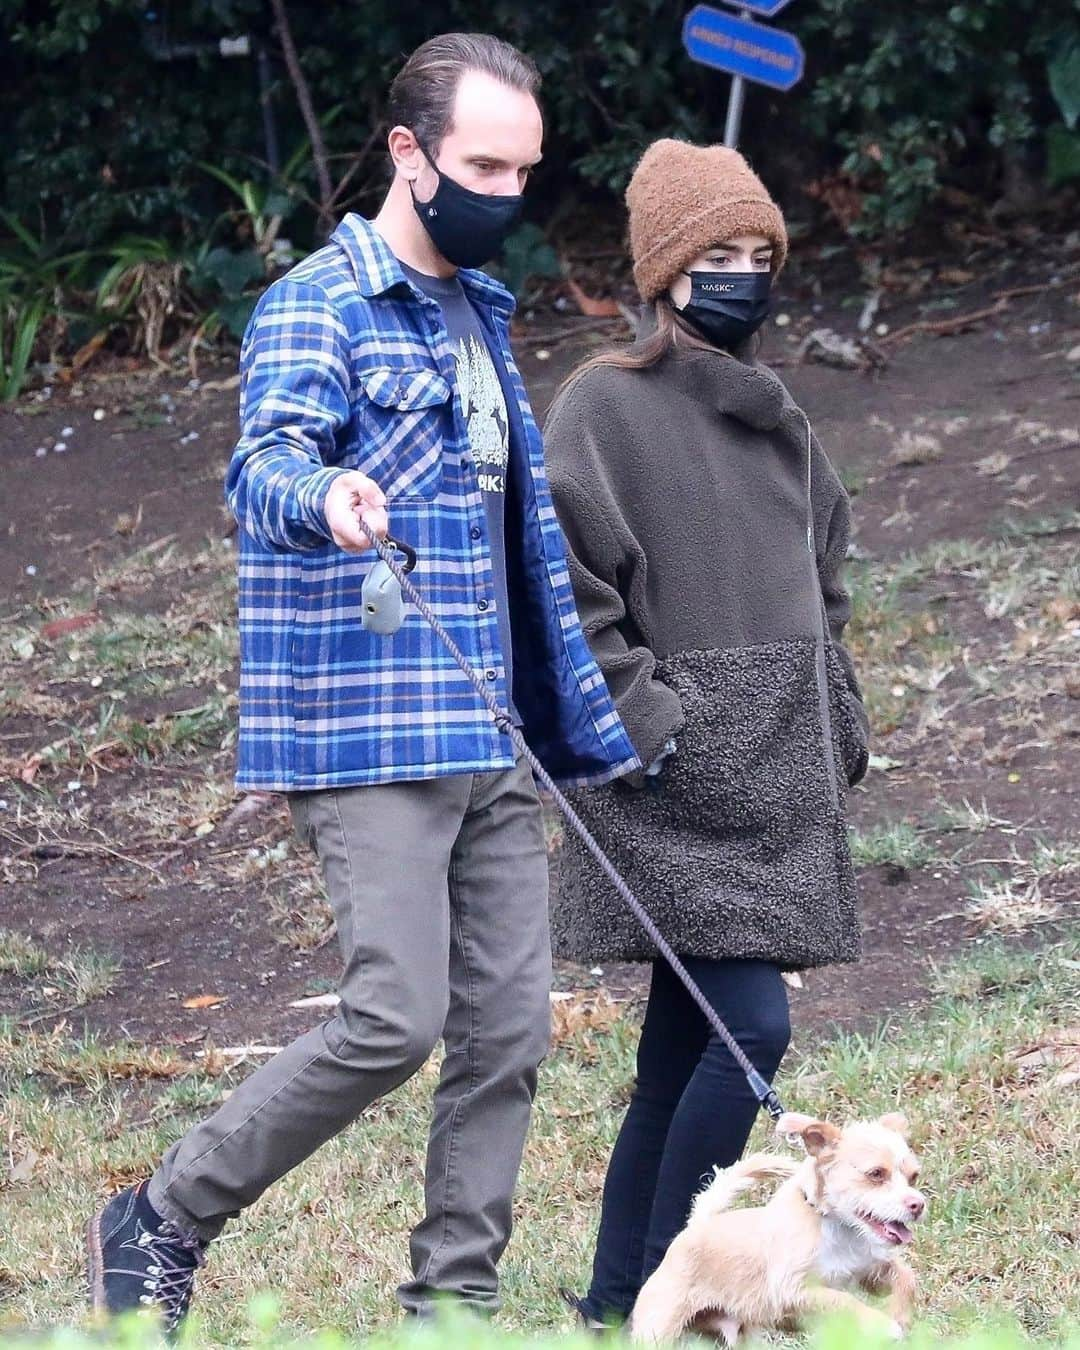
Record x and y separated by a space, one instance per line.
377 376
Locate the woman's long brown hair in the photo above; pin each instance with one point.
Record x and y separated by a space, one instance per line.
650 350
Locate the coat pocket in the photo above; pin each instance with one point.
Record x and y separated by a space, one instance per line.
750 763
402 417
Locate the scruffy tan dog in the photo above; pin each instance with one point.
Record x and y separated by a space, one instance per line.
840 1219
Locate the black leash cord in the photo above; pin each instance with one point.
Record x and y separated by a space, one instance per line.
762 1090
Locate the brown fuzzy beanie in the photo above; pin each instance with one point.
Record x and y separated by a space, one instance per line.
685 199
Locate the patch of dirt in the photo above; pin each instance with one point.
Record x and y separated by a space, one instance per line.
233 910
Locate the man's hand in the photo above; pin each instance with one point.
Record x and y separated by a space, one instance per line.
355 510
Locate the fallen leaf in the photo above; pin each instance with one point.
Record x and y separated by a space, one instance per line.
1059 1050
127 522
955 276
72 624
991 465
829 348
317 1001
590 306
30 766
89 350
1062 609
204 1001
839 195
242 1051
24 1168
582 1013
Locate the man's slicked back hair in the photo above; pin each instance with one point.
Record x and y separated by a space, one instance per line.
422 94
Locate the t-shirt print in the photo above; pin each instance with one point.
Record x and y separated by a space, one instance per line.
485 413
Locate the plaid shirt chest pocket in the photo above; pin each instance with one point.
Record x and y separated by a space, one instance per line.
402 417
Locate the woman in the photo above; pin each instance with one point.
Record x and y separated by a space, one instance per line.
707 533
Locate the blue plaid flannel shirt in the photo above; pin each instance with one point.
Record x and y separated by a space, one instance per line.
346 365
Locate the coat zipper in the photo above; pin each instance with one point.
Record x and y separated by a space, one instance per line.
820 661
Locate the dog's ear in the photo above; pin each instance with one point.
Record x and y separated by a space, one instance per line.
817 1135
895 1120
793 1122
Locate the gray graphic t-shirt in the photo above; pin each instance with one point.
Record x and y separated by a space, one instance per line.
489 430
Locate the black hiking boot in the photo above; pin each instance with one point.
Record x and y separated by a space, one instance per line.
137 1259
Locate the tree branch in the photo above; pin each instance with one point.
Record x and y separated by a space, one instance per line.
307 111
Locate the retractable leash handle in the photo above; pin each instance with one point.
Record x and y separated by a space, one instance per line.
382 609
765 1093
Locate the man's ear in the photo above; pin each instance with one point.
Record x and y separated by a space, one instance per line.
895 1120
405 151
817 1135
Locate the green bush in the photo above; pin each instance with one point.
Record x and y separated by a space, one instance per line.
918 95
104 138
108 141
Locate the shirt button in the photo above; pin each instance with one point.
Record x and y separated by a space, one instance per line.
474 533
481 604
489 674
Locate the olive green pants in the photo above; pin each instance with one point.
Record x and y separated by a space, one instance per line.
439 890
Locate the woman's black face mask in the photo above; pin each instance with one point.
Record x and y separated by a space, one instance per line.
727 307
466 227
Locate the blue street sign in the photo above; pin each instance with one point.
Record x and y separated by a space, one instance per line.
766 8
746 49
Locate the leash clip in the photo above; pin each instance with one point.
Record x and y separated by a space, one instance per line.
382 610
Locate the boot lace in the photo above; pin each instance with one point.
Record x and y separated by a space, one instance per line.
170 1271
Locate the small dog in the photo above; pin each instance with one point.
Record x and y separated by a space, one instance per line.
840 1218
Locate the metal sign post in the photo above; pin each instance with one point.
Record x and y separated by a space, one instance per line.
745 49
733 121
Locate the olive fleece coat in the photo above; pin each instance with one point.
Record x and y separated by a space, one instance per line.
707 532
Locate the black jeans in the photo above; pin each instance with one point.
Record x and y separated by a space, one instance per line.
691 1110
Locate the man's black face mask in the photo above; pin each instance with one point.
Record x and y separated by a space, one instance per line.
466 227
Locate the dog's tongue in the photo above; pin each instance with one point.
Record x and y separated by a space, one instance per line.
899 1231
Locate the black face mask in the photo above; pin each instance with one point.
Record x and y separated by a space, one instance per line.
727 307
466 227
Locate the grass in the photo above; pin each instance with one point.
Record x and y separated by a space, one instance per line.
914 448
904 632
112 675
967 818
22 957
1000 1146
1008 904
74 980
897 845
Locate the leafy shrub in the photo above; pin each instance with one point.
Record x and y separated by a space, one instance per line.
124 122
915 95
